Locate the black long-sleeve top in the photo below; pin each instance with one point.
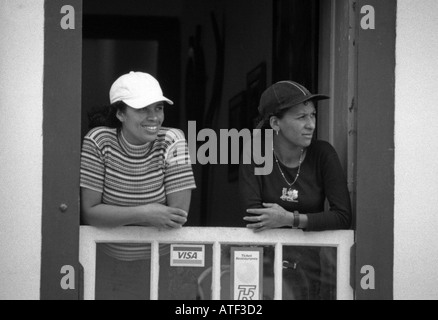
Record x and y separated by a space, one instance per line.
321 177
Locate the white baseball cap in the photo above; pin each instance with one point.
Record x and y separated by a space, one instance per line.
137 90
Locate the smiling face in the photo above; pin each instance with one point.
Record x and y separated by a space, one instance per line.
297 126
140 126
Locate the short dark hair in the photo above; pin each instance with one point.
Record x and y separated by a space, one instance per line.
279 115
106 116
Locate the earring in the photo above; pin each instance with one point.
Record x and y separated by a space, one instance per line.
277 132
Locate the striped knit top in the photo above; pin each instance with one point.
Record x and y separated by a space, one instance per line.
130 175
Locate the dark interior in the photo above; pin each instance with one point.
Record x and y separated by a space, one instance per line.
212 58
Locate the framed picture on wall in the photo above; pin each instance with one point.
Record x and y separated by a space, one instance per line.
255 85
237 120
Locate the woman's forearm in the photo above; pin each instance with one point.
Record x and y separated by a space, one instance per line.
103 215
303 220
173 215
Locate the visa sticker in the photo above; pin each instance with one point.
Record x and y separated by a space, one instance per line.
184 255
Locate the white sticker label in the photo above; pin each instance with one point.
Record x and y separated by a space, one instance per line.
247 273
183 255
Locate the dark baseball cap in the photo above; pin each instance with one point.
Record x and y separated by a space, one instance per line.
283 95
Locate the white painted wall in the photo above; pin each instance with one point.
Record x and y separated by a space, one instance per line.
416 151
21 89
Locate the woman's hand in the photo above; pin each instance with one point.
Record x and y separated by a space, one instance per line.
164 217
272 216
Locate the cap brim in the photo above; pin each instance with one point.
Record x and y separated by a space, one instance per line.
316 97
141 103
312 97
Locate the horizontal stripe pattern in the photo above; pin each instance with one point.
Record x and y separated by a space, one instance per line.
188 249
178 261
129 175
131 251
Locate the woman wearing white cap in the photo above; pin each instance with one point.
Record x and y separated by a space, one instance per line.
133 170
306 172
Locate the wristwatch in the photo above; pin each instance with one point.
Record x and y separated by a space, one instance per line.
296 221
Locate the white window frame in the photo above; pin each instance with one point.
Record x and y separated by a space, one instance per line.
91 236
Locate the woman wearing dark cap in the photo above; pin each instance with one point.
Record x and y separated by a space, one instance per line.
306 172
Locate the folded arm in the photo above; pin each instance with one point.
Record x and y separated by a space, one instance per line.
172 215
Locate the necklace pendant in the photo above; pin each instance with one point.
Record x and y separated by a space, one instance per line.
289 195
